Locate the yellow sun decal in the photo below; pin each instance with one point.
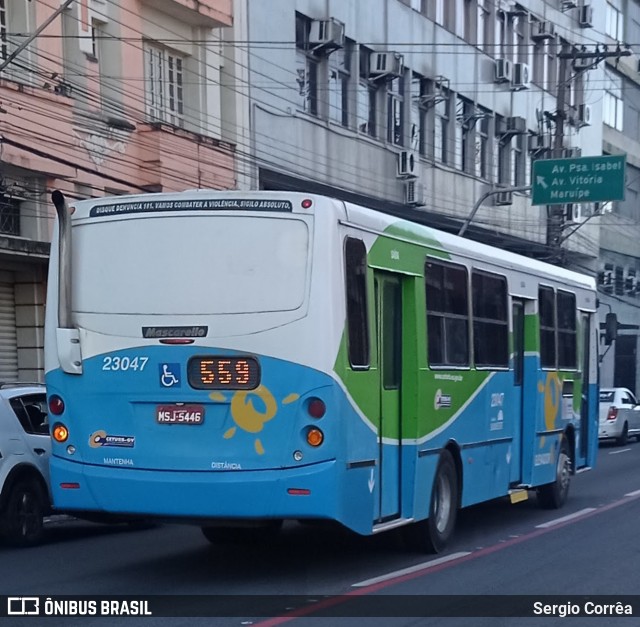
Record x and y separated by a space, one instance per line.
247 417
552 391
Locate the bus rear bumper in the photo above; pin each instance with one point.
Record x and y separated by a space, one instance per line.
313 492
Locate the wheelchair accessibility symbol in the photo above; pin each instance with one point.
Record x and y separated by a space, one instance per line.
170 375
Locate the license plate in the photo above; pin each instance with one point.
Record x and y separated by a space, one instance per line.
180 414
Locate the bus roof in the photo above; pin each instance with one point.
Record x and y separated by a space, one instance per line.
283 201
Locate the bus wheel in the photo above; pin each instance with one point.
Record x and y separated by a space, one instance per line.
431 535
243 535
554 495
22 521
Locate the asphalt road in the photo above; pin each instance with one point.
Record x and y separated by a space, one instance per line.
590 547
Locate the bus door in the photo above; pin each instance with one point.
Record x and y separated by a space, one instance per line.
388 296
517 311
583 451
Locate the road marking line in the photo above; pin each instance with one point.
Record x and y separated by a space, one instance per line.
411 569
622 450
557 521
635 493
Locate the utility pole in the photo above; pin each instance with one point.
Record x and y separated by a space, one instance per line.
555 213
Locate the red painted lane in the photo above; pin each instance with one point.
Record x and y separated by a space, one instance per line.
309 610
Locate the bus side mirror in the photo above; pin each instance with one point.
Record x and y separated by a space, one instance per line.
610 328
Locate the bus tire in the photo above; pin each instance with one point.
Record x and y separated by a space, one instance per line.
554 495
431 535
22 521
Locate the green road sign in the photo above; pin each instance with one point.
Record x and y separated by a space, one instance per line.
587 179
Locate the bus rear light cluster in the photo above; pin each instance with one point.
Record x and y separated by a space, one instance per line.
56 405
59 432
316 408
315 437
613 413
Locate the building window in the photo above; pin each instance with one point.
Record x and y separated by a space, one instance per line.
3 30
612 105
483 25
517 160
367 95
395 115
447 314
613 22
9 215
441 125
439 12
465 123
418 114
490 320
339 77
481 139
306 67
545 64
357 318
165 92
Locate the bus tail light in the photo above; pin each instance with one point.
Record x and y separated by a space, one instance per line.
59 432
316 408
315 437
56 405
613 413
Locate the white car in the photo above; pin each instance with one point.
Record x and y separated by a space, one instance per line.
619 415
25 447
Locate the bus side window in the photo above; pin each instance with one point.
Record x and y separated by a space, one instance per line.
567 332
356 295
490 320
447 314
547 314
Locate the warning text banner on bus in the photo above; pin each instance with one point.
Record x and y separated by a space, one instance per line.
344 606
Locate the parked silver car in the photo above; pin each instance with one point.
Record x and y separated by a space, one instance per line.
25 446
619 415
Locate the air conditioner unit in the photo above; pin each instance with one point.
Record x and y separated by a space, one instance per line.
540 143
502 71
605 278
414 193
584 115
575 213
569 4
571 153
585 16
542 30
407 164
514 125
386 65
631 282
503 198
520 76
604 207
326 34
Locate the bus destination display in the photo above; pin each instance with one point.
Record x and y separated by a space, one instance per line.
223 373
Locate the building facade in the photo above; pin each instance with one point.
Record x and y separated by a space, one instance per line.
101 97
619 271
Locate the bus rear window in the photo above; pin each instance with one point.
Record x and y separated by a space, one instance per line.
190 265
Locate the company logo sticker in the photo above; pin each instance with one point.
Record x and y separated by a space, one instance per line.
170 375
99 439
164 332
441 400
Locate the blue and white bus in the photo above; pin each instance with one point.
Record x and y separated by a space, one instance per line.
237 359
